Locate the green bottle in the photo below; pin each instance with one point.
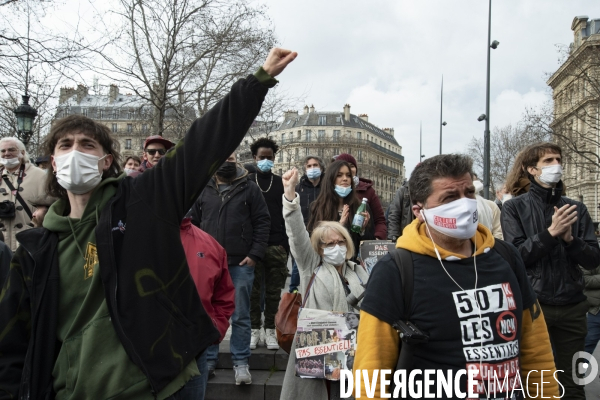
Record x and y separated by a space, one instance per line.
359 219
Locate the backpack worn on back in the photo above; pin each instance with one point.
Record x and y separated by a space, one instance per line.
404 262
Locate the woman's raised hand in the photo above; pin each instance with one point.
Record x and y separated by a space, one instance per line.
290 180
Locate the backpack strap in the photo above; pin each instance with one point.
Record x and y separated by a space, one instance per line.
404 262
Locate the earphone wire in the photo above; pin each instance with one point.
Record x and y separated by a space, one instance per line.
461 288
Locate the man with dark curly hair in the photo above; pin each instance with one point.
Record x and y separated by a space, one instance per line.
271 272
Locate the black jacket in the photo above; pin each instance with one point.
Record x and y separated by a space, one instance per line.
153 302
400 214
552 264
237 218
308 193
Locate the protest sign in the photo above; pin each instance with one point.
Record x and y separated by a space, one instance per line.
372 251
325 343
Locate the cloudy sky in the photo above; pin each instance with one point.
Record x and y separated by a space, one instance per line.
386 59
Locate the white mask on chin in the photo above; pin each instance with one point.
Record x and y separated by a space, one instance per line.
334 256
78 172
457 219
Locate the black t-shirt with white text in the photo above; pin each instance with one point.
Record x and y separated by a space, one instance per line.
458 334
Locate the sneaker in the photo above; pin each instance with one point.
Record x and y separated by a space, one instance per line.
271 339
242 374
254 338
211 371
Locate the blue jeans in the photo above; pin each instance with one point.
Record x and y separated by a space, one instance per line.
239 344
593 334
295 280
196 387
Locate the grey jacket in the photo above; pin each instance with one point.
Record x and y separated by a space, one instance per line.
326 293
592 289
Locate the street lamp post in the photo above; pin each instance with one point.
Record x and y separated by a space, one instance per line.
421 155
486 116
442 122
441 109
25 115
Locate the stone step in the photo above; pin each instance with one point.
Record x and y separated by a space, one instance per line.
266 385
262 359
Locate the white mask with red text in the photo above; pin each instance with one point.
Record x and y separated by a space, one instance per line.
457 219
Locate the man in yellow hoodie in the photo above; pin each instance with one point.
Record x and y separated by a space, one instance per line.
479 312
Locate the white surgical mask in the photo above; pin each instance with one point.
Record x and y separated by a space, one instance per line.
335 255
356 180
457 219
551 174
478 186
506 197
10 162
78 172
129 171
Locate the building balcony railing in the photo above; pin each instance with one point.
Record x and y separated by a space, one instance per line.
389 169
344 141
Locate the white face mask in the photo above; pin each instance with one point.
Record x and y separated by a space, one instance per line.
356 180
457 219
78 172
335 255
10 162
506 197
551 174
129 171
478 186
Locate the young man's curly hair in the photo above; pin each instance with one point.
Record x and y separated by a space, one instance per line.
263 142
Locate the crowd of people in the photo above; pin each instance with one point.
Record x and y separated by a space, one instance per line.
133 270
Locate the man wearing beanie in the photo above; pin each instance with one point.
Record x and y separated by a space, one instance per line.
364 189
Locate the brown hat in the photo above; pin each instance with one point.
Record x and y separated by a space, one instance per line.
158 139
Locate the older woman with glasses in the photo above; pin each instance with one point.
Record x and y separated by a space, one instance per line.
325 253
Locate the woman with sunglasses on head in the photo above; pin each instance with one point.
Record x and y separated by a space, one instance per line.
325 253
337 202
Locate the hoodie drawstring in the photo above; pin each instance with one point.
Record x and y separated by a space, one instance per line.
75 238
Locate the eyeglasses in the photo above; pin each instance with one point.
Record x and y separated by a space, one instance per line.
153 151
331 245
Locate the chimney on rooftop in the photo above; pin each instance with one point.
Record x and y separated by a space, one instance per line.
82 91
65 94
312 108
290 114
347 112
305 109
364 117
113 92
